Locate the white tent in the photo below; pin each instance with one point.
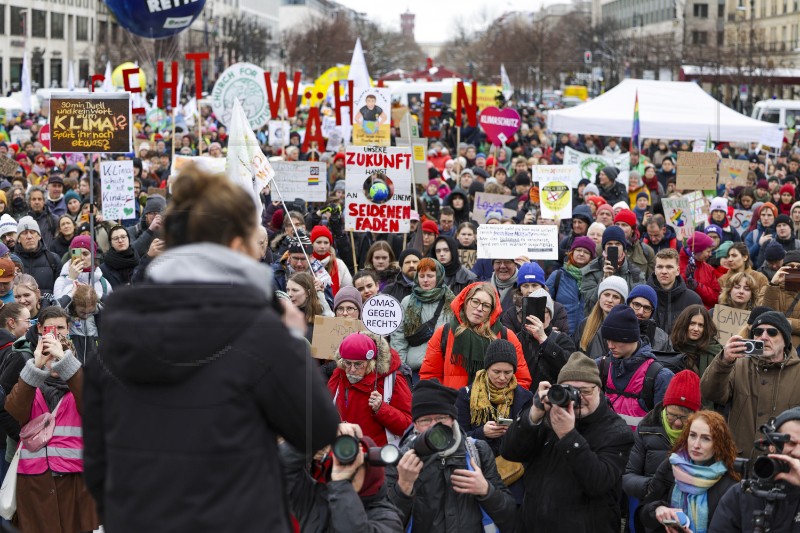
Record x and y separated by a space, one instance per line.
667 110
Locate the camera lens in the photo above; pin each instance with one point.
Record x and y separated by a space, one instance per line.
434 440
390 454
346 448
558 395
766 468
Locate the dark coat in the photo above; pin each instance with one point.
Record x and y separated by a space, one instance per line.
661 494
213 402
672 302
48 225
511 320
735 512
399 288
436 508
615 193
593 276
650 447
116 278
522 400
42 264
573 483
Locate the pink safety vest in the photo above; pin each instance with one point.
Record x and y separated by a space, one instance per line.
627 405
64 452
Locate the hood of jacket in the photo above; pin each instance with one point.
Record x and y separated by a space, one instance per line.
388 361
625 368
461 300
199 287
24 254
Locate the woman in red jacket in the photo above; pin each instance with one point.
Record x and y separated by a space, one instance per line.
368 389
476 322
699 275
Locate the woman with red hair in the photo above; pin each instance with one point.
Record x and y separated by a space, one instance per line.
761 230
695 476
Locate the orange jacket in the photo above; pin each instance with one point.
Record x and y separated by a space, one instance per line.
438 365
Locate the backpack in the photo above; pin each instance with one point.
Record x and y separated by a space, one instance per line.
446 333
673 361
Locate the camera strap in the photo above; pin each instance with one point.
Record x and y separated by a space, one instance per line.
472 451
794 304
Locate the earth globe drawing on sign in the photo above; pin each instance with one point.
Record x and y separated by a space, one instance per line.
249 93
378 188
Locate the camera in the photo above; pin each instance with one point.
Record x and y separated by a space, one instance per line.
346 449
754 348
560 395
435 439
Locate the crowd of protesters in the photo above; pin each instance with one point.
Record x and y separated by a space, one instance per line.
194 403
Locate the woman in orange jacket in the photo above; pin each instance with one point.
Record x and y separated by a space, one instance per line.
456 350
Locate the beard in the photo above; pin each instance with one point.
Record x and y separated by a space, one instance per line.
352 378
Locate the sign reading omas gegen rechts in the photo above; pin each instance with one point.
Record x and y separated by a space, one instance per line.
90 123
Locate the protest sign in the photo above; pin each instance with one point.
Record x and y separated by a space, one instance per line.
500 125
729 321
569 174
734 171
506 241
420 156
382 314
484 98
301 179
329 332
156 190
772 137
243 82
697 206
467 257
8 167
19 136
740 221
116 181
555 190
697 171
378 189
679 215
157 119
44 136
90 122
371 120
278 133
486 203
590 164
215 165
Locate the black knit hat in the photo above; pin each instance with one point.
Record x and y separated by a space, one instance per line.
405 253
621 325
757 311
500 351
787 416
774 318
774 251
792 256
432 398
784 219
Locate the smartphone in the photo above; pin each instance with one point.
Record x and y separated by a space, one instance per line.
534 306
75 253
50 330
673 523
612 254
505 421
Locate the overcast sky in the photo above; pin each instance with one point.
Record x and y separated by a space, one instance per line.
434 18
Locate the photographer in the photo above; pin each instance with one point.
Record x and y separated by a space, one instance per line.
349 497
434 487
737 509
759 384
574 456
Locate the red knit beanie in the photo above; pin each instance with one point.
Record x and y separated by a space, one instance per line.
277 219
358 347
684 391
321 231
789 188
429 226
626 216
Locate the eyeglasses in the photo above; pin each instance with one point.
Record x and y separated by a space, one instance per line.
673 417
772 332
346 310
587 391
477 304
428 420
297 259
638 307
120 238
357 365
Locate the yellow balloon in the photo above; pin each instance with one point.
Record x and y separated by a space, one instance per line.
117 80
324 83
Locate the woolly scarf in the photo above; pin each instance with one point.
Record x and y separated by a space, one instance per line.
419 296
574 271
487 402
673 434
692 482
123 260
696 354
503 286
652 183
326 260
469 348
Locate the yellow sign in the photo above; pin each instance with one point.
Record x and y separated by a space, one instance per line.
556 200
486 95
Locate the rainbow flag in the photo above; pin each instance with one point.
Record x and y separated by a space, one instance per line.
636 131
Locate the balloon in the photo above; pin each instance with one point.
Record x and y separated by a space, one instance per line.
118 81
155 19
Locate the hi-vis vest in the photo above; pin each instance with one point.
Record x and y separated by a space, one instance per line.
64 452
626 403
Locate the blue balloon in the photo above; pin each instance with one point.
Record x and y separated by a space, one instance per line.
155 19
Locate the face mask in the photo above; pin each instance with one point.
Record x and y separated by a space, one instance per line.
18 203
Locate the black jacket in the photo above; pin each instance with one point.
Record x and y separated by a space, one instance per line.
672 302
48 225
571 484
436 508
615 193
661 494
42 264
650 447
522 400
735 512
334 506
181 424
510 319
399 288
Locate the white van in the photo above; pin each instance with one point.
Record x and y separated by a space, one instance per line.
786 113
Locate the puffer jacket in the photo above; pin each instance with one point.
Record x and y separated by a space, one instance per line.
42 264
756 390
672 302
736 508
414 355
650 447
441 365
436 508
706 277
573 483
568 295
593 276
352 399
616 192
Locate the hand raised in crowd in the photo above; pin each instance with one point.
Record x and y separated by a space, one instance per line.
535 327
493 430
664 513
608 269
521 260
528 218
793 475
40 358
339 471
52 347
375 401
408 470
764 239
734 349
562 420
537 413
318 285
155 225
75 268
156 248
780 276
470 481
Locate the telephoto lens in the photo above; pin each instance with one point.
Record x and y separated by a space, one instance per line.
562 395
383 456
346 448
766 468
435 439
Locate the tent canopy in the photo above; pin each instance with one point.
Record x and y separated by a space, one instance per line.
667 110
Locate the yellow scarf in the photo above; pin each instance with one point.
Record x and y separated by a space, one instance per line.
487 402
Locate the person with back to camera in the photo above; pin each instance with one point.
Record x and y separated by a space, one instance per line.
216 381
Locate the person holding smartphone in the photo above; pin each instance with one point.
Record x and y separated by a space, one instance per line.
78 270
612 262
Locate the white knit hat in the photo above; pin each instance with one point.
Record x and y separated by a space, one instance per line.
616 284
7 224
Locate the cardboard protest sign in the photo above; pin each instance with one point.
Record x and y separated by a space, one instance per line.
301 179
371 120
243 82
278 133
698 206
697 171
156 190
772 137
506 241
740 221
729 321
734 171
116 181
590 164
467 257
8 167
679 216
378 189
90 122
329 332
486 203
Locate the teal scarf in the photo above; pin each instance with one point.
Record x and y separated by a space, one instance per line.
419 296
692 482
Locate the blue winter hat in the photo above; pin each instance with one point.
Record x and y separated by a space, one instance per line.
71 195
644 291
530 273
713 228
621 325
613 233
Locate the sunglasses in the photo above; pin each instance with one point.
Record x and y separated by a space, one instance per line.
772 332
